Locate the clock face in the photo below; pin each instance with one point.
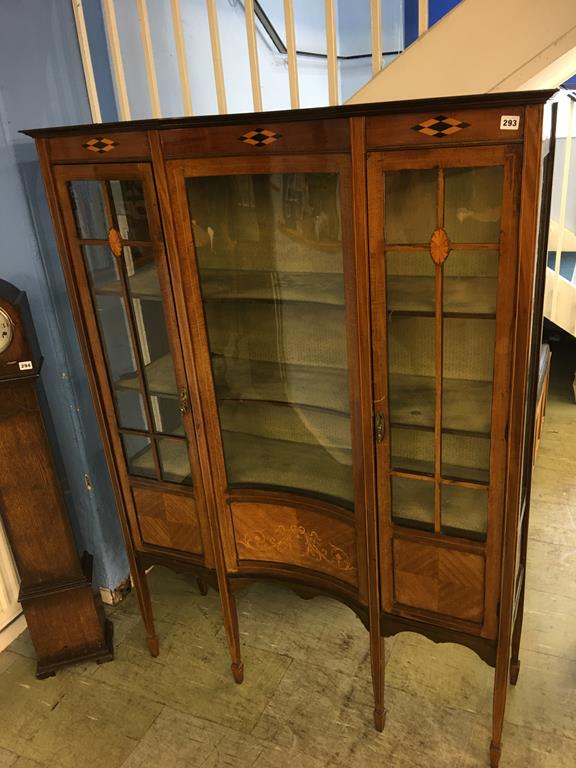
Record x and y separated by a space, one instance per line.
6 330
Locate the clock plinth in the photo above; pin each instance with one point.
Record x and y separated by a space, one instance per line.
64 615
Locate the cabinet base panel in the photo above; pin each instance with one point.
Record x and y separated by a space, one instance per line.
100 655
484 648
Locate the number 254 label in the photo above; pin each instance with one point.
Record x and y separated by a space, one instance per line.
509 122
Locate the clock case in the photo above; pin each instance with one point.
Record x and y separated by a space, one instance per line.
24 347
64 615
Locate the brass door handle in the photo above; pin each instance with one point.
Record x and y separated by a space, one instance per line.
184 405
379 426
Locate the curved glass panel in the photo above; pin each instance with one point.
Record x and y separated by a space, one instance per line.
269 252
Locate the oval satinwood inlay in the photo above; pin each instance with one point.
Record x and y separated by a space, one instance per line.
439 246
115 242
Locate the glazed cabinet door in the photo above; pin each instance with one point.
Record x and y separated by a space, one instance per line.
266 247
117 256
443 270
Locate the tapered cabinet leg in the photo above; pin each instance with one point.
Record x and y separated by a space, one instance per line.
145 603
377 665
516 637
499 706
202 586
495 752
232 630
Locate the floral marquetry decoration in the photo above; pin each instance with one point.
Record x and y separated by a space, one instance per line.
296 540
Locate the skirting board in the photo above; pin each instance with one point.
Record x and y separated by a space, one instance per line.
12 631
114 596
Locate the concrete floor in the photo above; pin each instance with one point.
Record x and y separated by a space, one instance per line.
306 701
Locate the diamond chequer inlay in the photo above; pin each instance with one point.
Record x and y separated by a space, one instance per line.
260 137
440 126
100 144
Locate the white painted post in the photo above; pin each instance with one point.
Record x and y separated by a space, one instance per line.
217 56
331 49
292 58
146 39
116 56
181 56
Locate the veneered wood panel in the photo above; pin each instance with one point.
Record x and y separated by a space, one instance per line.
295 536
168 520
257 138
99 146
436 128
31 503
65 624
438 579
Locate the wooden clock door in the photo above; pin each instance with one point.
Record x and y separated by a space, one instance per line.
116 253
443 264
266 247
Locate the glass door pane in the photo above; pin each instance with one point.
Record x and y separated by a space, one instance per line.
269 253
442 236
120 261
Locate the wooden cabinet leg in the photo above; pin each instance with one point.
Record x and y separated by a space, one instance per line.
143 594
516 637
499 703
232 630
377 665
202 586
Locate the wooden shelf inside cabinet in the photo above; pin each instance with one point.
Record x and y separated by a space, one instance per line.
254 460
462 295
466 403
160 378
241 379
269 285
143 285
449 471
300 424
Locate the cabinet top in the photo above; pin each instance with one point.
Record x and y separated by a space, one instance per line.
515 98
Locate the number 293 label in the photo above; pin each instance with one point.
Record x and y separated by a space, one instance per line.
510 122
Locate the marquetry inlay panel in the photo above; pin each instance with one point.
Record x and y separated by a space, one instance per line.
168 520
438 579
295 537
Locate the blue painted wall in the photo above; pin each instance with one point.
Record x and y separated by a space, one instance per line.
436 10
42 84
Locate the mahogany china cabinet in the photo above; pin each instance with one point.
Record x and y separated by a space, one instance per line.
308 337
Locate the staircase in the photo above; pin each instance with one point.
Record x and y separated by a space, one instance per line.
146 59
